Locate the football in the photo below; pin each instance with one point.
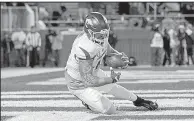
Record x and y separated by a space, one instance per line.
114 61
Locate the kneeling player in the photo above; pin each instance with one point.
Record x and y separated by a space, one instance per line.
85 78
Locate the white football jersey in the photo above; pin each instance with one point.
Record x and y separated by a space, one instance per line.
97 52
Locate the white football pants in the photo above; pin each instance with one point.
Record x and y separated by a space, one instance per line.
93 97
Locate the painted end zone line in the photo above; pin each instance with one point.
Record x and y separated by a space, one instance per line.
150 120
77 103
7 73
107 95
120 82
119 113
49 116
185 71
64 92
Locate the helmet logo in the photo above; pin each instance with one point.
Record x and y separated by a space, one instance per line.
89 22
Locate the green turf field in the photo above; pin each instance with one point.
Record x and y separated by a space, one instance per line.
44 96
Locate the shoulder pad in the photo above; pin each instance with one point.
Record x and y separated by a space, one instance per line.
85 49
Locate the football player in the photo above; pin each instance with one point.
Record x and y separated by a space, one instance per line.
85 78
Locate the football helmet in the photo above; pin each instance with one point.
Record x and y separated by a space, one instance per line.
97 28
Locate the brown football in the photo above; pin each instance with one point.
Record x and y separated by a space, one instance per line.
114 61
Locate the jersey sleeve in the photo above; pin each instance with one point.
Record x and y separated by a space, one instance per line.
84 51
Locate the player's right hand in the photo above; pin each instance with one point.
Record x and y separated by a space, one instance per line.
115 76
125 58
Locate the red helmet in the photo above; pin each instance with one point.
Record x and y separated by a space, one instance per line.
97 27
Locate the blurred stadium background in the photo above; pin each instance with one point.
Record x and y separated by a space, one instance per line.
41 94
131 22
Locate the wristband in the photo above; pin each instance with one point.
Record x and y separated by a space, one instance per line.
114 80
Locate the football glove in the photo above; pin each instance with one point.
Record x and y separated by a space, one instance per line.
125 58
115 76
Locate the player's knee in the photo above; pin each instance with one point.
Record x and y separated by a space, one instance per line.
108 107
111 110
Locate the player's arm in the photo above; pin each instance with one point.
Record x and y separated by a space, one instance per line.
111 50
89 79
86 69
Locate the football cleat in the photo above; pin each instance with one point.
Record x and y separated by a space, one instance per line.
86 105
145 103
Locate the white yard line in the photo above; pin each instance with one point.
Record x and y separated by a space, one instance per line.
84 116
64 92
120 113
7 73
77 103
71 96
155 81
160 112
185 71
15 72
151 120
153 76
63 82
49 116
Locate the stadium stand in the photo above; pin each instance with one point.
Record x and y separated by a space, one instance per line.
139 23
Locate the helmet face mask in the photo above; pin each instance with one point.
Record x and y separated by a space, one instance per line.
99 37
103 34
97 28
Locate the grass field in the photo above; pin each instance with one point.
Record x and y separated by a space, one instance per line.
41 95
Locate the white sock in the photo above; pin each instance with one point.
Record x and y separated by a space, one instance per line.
121 92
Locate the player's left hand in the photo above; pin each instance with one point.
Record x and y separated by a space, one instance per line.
115 76
125 58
